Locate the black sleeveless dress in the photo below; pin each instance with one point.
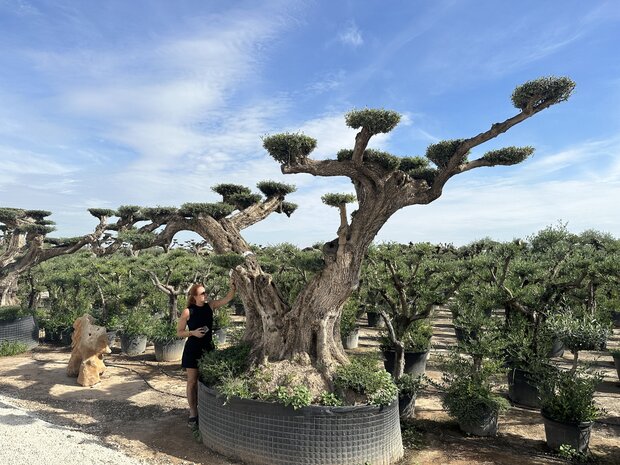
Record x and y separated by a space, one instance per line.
196 346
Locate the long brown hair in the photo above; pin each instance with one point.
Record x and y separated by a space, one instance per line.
191 294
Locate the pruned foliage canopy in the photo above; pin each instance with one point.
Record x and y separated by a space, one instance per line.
287 148
508 155
275 189
374 120
545 90
335 200
217 210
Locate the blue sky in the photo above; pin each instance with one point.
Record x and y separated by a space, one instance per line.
109 103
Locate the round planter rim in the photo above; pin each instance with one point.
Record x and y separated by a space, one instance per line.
313 409
408 351
15 320
583 424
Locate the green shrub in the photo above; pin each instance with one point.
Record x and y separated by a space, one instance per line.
137 322
568 396
216 366
12 312
164 332
296 396
409 385
221 319
328 398
8 348
363 377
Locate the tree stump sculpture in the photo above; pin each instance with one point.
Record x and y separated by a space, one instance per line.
88 344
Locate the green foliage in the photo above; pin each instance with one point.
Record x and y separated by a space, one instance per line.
336 200
418 168
383 159
157 213
362 376
227 190
542 91
288 208
417 337
128 211
409 385
296 396
289 148
243 201
571 454
221 319
508 155
38 229
275 189
328 399
578 333
138 239
10 214
163 331
9 348
216 211
137 322
374 120
12 312
348 318
37 214
227 261
442 152
217 365
101 212
568 396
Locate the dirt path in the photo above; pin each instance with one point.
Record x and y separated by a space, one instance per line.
140 407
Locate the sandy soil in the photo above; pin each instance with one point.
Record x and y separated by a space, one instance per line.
140 407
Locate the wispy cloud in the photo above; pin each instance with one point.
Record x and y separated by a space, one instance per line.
351 35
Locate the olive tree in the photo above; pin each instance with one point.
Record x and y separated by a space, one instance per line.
307 328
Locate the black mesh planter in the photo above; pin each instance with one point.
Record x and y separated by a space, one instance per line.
24 330
264 433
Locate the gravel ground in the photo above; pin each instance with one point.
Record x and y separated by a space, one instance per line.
26 440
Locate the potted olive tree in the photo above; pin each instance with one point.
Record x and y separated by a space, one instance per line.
568 407
410 280
18 325
470 376
168 346
615 353
135 328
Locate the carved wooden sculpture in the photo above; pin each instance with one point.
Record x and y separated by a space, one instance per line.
88 344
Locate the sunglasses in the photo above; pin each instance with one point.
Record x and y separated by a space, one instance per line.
203 293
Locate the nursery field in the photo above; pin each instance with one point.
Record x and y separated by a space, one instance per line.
139 408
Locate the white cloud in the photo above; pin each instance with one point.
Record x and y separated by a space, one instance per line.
351 36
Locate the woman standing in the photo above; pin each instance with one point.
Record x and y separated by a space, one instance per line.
196 323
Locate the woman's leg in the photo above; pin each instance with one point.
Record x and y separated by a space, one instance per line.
192 391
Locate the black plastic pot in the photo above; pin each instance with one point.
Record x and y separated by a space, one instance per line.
111 337
521 390
24 330
486 425
415 362
352 340
239 310
266 433
575 435
66 336
133 344
557 349
169 351
51 336
615 317
462 335
406 406
617 363
375 320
